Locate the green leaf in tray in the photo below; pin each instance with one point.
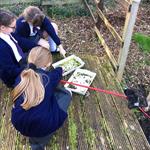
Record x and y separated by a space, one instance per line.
68 65
72 86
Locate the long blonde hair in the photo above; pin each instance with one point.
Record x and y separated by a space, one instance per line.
31 85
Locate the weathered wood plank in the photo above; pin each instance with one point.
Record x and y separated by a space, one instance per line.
95 122
94 113
126 117
131 125
112 122
78 114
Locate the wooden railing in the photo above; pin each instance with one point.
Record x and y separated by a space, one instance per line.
131 7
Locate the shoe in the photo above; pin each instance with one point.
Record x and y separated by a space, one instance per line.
69 91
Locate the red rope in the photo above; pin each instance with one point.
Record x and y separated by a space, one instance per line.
104 91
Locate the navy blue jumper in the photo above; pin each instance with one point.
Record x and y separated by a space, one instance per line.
45 118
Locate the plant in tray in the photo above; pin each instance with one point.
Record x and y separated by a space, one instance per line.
69 64
81 77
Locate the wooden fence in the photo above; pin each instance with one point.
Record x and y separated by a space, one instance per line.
131 7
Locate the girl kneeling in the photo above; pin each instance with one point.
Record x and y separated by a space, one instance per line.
40 106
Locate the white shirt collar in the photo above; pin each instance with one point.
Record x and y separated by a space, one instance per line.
11 43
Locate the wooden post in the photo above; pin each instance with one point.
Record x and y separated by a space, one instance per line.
127 35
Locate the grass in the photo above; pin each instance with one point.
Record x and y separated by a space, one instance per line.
143 42
72 131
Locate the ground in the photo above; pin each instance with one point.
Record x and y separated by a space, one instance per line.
77 34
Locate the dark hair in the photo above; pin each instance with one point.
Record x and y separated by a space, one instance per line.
6 17
34 15
37 20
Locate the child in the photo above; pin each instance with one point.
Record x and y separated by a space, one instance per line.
11 55
32 24
39 107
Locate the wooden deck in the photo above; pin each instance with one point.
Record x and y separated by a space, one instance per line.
96 122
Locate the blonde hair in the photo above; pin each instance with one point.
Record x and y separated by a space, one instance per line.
31 85
34 15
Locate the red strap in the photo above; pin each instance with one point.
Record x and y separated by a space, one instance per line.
104 91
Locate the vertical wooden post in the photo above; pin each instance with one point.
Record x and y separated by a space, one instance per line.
127 35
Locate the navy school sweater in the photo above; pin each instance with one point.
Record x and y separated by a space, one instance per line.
9 67
45 118
22 33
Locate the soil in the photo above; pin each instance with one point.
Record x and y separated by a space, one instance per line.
77 35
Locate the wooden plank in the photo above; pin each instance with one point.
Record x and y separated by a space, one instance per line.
10 139
128 124
112 122
77 138
79 117
98 121
108 25
131 125
94 115
108 51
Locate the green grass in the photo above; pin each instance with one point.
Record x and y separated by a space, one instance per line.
143 42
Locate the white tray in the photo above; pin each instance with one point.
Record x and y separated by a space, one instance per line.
69 64
83 77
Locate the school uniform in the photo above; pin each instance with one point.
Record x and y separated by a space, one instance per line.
10 58
33 34
44 119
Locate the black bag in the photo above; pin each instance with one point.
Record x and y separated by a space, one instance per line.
136 97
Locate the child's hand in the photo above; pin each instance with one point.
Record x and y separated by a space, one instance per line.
63 69
43 43
62 51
